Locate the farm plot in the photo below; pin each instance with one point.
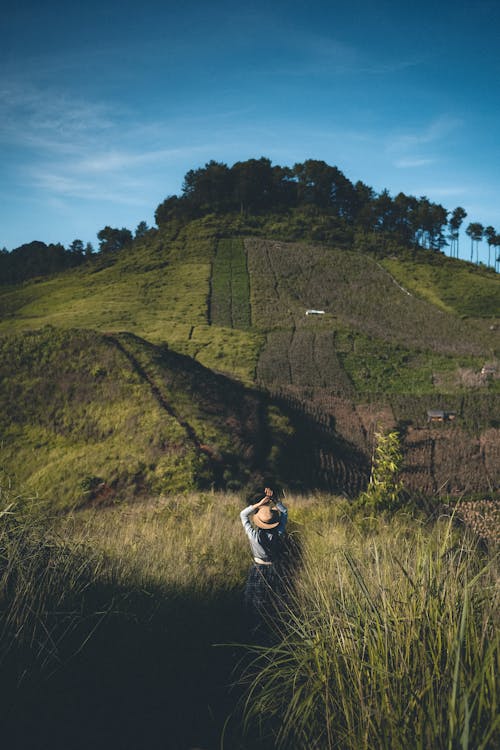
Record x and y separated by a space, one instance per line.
269 293
287 279
322 452
447 461
303 358
230 287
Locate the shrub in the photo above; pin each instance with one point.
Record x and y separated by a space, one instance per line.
385 487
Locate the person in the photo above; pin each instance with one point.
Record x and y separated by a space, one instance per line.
265 588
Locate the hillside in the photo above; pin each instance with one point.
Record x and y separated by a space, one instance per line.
398 337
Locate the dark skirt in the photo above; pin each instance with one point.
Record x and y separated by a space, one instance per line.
265 594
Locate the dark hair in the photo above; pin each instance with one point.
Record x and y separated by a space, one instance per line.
270 540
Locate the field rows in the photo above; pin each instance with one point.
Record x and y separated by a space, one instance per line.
350 287
230 286
447 460
304 358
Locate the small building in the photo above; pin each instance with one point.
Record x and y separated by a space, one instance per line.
315 312
488 371
440 415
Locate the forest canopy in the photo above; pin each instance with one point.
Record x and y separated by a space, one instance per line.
311 200
256 186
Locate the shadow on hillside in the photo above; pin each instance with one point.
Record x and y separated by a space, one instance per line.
311 455
150 677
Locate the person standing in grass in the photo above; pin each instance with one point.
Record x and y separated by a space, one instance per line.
265 587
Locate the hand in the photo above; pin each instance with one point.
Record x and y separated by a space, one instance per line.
268 491
265 501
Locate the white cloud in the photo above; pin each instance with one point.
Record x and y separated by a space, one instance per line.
113 161
49 120
412 162
67 147
434 132
420 148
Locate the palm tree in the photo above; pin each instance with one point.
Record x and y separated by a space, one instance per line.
475 232
457 216
489 235
496 245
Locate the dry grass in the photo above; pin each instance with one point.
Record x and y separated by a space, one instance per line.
390 641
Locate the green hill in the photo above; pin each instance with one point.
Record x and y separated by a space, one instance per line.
259 385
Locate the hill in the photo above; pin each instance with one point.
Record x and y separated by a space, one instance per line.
259 385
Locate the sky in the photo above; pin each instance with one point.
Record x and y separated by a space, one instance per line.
105 105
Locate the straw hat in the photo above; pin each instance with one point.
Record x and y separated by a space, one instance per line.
266 517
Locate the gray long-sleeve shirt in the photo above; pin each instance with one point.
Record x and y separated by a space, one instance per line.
253 534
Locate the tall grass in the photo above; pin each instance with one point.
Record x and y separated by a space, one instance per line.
108 621
390 641
46 616
111 616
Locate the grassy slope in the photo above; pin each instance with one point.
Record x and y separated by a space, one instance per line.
158 290
90 417
164 288
242 314
451 285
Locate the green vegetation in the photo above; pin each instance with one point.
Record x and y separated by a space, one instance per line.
391 640
109 620
359 294
230 299
380 367
236 306
74 408
390 633
138 384
385 488
157 289
87 418
453 286
315 189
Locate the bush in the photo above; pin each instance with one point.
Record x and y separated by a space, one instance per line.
385 487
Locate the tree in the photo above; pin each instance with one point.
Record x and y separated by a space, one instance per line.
208 188
141 230
111 239
363 201
404 208
496 245
430 219
76 247
475 232
383 210
455 222
284 188
173 208
252 184
38 259
324 186
89 249
489 235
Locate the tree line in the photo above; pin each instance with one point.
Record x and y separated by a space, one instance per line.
255 188
39 259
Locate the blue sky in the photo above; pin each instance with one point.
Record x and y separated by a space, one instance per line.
105 106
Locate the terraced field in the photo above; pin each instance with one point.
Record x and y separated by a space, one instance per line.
383 353
358 295
230 286
376 344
